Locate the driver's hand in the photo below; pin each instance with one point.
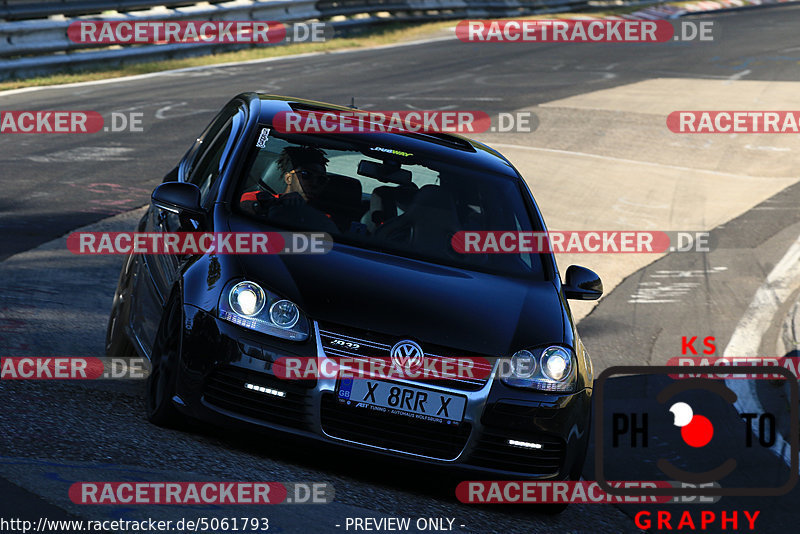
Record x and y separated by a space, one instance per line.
292 199
257 202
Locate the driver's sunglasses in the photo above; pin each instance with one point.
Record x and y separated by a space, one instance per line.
312 177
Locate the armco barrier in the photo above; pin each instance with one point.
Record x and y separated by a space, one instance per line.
32 9
41 46
33 33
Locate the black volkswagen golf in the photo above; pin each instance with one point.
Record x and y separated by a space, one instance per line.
391 286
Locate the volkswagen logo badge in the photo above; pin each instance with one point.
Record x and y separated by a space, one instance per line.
407 355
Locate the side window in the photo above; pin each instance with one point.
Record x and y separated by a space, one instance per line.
208 167
195 153
205 161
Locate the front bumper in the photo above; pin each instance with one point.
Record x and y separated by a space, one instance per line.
219 358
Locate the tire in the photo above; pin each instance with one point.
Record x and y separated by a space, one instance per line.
117 343
160 384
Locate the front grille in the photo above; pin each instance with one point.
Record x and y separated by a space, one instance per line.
493 451
339 341
397 432
225 389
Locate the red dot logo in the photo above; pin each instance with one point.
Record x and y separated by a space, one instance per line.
696 430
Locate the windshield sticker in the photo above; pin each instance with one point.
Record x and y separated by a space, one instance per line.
262 138
390 151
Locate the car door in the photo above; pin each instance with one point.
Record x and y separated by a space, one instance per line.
202 166
204 172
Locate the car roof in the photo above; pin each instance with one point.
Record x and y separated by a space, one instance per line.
450 148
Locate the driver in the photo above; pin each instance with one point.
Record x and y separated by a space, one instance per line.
303 171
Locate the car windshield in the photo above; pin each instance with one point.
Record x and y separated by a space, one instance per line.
380 198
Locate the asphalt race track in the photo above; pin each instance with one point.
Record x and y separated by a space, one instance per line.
601 157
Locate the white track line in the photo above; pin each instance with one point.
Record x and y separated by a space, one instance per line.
746 339
623 160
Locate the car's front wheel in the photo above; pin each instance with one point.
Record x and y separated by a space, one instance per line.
160 385
117 343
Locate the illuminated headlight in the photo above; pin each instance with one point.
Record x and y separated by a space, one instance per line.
247 298
556 363
549 369
248 305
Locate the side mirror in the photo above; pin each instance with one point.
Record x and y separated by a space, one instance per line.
178 197
582 284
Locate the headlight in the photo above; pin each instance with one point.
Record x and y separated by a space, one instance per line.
284 313
556 363
247 298
523 364
554 371
248 305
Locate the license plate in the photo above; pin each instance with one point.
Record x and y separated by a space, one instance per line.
399 399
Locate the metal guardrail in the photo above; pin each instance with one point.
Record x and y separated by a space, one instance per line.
42 46
34 38
33 9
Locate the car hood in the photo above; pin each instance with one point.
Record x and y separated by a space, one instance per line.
466 310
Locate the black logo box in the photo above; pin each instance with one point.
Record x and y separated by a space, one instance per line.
765 370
